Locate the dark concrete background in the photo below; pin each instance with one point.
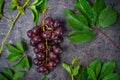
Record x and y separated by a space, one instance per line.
99 47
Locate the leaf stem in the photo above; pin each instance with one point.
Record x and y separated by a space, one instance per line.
8 19
72 77
12 25
9 31
111 40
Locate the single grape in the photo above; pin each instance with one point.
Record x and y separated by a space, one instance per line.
47 34
37 39
40 56
57 41
32 42
59 31
57 50
56 23
51 43
49 21
54 36
52 55
41 46
51 64
42 69
37 62
30 34
36 30
36 50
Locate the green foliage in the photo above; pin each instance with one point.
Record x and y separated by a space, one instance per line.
72 68
90 17
107 17
81 36
44 78
9 74
37 7
94 71
17 54
1 7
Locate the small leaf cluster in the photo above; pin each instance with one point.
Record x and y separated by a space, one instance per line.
90 17
95 71
9 74
17 54
72 68
37 7
18 5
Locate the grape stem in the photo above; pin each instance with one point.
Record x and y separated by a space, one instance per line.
11 27
111 40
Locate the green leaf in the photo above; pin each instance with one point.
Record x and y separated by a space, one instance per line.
107 17
67 68
20 65
75 61
91 74
86 9
76 70
112 76
107 68
83 75
35 2
14 57
8 73
35 13
81 36
44 78
18 75
2 77
41 5
99 5
13 49
1 7
13 5
76 21
96 66
20 46
27 63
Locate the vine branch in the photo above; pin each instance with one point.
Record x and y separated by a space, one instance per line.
11 27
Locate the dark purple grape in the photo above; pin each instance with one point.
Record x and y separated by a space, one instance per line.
57 50
52 55
32 42
47 34
36 50
37 39
41 46
40 56
54 36
56 60
56 23
51 43
49 21
37 62
36 30
42 69
59 31
30 34
51 64
57 41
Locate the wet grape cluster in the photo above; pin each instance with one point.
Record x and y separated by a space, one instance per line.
46 40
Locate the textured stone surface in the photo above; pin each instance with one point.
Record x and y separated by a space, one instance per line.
99 47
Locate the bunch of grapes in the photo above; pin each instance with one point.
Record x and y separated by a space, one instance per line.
46 40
